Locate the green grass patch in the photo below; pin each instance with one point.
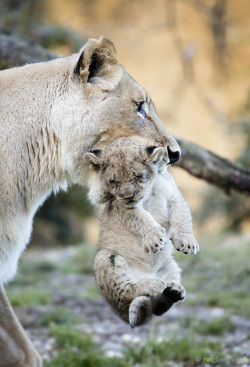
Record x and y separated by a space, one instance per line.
59 316
187 350
78 350
30 297
33 272
217 326
219 275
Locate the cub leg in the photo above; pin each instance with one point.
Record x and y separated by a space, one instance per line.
181 227
141 308
173 292
15 347
142 223
120 288
115 281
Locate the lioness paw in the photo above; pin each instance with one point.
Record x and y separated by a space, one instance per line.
155 239
184 243
175 291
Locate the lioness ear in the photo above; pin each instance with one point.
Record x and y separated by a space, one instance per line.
93 158
155 154
98 60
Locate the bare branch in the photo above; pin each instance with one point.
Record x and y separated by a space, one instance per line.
218 171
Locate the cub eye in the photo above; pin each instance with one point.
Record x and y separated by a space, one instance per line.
112 182
140 178
140 108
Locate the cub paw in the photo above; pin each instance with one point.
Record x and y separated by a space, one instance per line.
175 291
184 243
155 239
150 287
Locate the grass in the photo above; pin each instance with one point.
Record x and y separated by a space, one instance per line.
78 350
218 326
187 350
218 276
30 297
59 316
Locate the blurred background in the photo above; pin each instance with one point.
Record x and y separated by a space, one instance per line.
193 56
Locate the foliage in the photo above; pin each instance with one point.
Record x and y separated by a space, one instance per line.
57 317
30 297
217 326
79 350
185 349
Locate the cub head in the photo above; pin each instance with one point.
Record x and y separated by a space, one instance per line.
125 170
107 104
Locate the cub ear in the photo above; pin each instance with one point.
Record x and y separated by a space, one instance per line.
93 158
155 155
98 60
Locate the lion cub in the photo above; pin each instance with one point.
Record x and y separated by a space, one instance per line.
145 217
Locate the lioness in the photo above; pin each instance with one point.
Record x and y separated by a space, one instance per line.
51 114
146 209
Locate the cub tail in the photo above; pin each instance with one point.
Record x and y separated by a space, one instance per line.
140 311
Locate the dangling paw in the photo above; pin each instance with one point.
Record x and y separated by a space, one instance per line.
155 239
185 243
175 291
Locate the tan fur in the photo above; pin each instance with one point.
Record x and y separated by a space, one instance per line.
51 114
134 267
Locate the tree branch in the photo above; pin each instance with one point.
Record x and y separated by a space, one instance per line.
198 161
218 171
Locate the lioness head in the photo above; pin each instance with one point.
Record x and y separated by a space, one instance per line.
126 169
115 105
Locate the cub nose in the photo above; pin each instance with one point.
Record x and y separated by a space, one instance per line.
127 195
173 156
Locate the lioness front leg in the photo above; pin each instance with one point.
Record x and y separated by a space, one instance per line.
142 223
16 350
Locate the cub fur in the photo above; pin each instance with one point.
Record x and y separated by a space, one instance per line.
134 267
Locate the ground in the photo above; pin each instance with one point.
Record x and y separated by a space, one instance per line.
57 301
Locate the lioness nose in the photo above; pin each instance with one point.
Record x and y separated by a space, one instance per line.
173 156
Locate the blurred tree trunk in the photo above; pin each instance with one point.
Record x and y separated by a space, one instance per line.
198 161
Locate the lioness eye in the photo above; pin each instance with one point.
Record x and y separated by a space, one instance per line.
112 182
140 108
